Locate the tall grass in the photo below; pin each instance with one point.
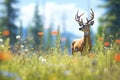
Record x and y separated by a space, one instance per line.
103 63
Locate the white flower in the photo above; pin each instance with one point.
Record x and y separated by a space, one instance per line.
1 40
40 58
26 50
18 37
22 46
43 61
2 45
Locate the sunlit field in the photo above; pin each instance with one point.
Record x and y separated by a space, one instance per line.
103 63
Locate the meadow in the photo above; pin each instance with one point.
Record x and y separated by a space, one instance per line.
103 63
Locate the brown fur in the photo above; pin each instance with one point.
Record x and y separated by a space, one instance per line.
83 45
78 45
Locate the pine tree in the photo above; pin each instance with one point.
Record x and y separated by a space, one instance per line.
110 22
38 27
9 17
49 39
58 40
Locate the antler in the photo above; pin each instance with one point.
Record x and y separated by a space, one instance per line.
92 16
77 18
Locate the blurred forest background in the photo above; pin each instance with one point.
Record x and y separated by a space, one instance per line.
37 37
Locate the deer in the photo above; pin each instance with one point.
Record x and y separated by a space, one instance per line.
83 45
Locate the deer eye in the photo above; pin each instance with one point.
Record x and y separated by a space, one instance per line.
80 24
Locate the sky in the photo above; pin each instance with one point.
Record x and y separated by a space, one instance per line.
59 12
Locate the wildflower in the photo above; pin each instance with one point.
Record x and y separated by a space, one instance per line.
22 46
6 32
32 48
91 55
26 50
18 37
108 48
1 40
2 45
4 56
43 60
106 44
40 58
111 36
40 33
117 41
54 33
117 57
63 39
100 39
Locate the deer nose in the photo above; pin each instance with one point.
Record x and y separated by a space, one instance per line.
80 28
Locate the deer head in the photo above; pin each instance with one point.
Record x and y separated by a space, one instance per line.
84 26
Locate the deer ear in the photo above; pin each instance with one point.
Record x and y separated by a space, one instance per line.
92 22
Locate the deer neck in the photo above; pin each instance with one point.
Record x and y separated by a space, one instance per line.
87 39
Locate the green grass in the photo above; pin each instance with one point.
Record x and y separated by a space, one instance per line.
56 65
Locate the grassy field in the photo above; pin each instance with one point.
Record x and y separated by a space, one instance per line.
103 63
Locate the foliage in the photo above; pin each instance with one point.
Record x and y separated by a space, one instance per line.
49 39
38 27
9 15
110 20
102 64
100 31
